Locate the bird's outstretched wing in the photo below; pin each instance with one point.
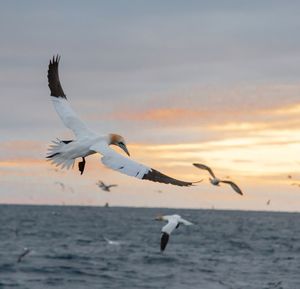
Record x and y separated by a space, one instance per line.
100 183
111 186
126 166
204 167
61 104
22 255
185 222
234 186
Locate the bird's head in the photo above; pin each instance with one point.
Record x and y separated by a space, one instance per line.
115 139
159 218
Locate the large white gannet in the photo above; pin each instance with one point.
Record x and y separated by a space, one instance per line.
215 181
64 152
173 223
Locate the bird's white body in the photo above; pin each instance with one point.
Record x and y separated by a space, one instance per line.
81 147
173 222
214 181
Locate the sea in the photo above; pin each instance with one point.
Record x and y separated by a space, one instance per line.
70 248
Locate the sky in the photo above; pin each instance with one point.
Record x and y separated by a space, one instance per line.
214 82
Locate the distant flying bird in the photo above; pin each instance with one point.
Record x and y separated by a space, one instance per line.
215 181
64 152
62 185
296 184
71 189
25 252
104 187
268 202
289 176
173 223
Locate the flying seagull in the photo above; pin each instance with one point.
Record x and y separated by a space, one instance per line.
215 181
25 252
173 223
104 187
62 185
64 152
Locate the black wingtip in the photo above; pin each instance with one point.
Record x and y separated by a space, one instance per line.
53 78
51 156
156 176
164 241
55 59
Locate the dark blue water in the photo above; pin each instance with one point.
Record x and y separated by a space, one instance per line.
225 249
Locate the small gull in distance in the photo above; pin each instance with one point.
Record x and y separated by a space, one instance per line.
25 252
173 223
215 181
104 187
62 185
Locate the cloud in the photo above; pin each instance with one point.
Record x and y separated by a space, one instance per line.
239 107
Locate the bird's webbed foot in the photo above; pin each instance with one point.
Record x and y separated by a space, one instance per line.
81 166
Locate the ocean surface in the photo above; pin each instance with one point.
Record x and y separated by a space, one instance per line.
224 249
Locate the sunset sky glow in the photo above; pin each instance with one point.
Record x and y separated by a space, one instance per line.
215 82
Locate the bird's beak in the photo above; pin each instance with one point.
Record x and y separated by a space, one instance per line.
124 148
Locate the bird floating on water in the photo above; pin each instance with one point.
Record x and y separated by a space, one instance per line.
104 187
173 223
215 181
63 153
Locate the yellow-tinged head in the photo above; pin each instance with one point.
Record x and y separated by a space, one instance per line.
159 218
115 139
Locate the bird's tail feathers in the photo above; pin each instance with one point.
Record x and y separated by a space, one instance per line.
56 156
